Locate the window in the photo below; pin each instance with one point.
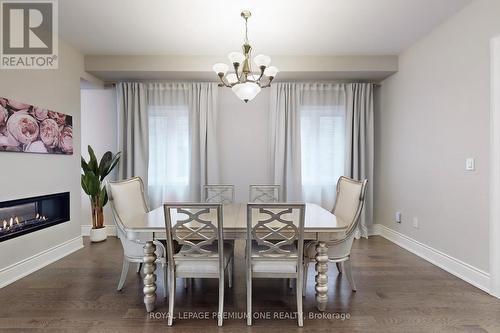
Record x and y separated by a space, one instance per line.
322 152
169 153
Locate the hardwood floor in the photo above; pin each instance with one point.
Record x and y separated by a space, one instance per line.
397 292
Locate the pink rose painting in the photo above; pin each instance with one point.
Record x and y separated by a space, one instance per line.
32 129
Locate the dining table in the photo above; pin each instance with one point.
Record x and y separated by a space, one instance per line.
320 225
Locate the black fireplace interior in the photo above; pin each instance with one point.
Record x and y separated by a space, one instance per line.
22 216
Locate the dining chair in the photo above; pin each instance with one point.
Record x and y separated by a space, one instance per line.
275 245
223 194
127 201
198 228
348 205
264 193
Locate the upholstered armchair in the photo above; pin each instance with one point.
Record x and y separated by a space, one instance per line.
348 205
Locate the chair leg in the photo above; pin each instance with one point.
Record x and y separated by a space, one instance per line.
339 267
123 276
221 300
186 281
304 278
249 299
290 283
230 270
171 296
348 273
165 279
139 266
299 292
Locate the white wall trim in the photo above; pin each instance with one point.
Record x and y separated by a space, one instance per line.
374 230
460 269
494 215
31 264
110 230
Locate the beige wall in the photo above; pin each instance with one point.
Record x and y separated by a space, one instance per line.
242 131
99 122
434 113
25 175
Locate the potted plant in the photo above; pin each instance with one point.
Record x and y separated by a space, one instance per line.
92 184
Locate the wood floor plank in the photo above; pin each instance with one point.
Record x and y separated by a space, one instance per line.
397 292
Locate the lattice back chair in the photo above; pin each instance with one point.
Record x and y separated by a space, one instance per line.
198 229
223 194
348 206
127 201
264 193
275 244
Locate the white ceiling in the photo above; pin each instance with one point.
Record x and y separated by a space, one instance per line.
277 27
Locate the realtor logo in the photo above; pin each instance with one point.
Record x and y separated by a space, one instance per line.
29 38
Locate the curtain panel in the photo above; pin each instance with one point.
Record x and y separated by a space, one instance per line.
133 134
318 132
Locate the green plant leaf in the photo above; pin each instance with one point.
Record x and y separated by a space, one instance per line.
91 184
104 165
93 166
85 166
114 162
103 197
84 185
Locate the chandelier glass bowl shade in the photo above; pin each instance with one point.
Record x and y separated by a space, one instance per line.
242 81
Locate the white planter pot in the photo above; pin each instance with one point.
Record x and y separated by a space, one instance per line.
98 235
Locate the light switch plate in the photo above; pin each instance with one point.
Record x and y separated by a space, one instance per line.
415 223
470 164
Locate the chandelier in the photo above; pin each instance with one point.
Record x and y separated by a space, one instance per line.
245 84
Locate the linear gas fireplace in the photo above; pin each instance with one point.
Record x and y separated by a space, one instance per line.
22 216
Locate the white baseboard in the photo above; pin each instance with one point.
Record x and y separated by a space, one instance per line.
29 265
460 269
373 230
110 230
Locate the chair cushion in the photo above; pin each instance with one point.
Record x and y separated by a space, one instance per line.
128 199
196 264
335 251
274 266
347 201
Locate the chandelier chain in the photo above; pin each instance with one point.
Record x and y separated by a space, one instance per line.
246 30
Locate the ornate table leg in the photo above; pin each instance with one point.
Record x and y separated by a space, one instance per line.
321 276
149 279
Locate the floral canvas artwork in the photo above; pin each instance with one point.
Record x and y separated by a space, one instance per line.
32 129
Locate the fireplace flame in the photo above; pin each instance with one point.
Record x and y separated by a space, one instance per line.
15 222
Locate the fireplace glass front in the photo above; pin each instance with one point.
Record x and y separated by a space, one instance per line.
22 216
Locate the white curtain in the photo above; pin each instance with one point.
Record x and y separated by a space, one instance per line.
133 130
360 144
182 140
284 140
319 132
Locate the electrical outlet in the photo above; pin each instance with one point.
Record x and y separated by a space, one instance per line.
415 223
398 217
